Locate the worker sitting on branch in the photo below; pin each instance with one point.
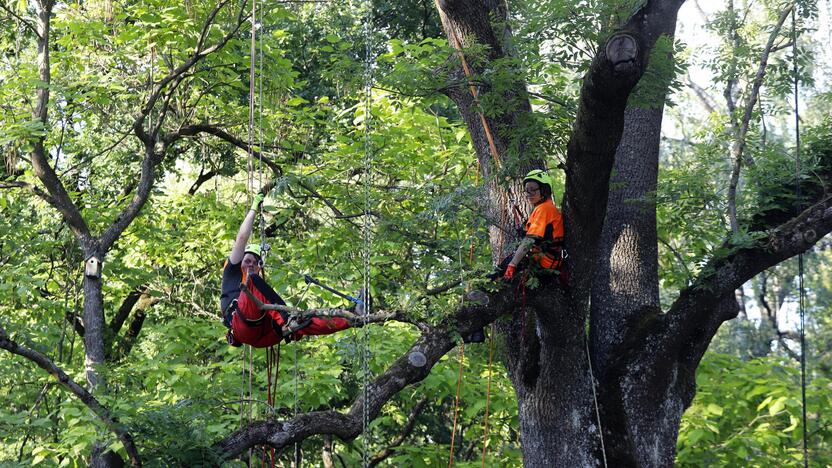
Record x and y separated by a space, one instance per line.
254 313
543 231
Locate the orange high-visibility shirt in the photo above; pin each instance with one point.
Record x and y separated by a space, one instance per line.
545 222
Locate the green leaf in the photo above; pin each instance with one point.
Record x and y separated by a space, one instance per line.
778 405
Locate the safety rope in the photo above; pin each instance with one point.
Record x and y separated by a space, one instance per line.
264 247
595 399
801 291
295 407
272 373
475 95
252 55
456 402
457 44
461 357
488 393
250 192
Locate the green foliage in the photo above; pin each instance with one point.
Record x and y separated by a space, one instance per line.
176 387
661 78
749 414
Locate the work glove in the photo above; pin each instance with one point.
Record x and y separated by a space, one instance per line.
258 200
509 274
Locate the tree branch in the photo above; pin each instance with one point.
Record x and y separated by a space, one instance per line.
614 72
126 307
696 308
146 179
408 428
34 189
431 345
192 130
90 401
199 54
24 21
738 148
59 198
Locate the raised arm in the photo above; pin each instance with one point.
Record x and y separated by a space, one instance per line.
239 249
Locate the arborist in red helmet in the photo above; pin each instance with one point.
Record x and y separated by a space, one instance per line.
543 230
246 322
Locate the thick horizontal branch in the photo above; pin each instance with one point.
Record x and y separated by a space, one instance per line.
408 369
34 189
90 401
696 308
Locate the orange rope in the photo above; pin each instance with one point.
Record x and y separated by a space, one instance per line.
456 403
475 94
488 393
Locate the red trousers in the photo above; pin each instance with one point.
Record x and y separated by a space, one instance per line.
264 334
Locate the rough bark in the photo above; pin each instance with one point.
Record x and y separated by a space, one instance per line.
468 26
626 282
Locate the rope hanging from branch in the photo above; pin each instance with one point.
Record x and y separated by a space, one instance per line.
801 291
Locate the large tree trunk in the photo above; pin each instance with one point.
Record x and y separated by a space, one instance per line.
548 362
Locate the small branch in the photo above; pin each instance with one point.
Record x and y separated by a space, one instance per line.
702 94
191 130
738 147
125 308
76 323
443 288
679 258
90 401
7 184
408 428
25 22
201 179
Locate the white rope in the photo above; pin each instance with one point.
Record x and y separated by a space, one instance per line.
595 399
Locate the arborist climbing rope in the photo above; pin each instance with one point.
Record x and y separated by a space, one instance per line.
247 323
543 231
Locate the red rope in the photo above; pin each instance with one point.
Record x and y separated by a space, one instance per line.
488 393
456 403
272 370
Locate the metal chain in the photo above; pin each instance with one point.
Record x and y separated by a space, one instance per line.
366 234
